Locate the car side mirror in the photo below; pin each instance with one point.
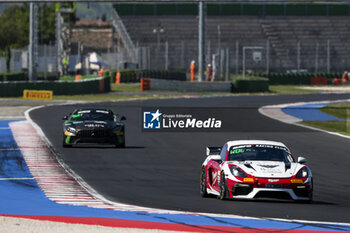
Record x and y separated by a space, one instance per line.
65 118
123 118
301 160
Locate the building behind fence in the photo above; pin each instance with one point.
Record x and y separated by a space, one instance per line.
259 37
262 37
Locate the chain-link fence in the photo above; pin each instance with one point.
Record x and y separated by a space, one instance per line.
235 57
47 61
3 68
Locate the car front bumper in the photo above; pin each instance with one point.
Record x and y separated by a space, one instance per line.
115 138
281 189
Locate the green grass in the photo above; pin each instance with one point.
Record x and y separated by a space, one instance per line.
290 89
247 77
333 126
70 78
133 87
100 97
118 92
340 110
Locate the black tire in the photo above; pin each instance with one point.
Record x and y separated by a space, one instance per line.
203 183
120 145
310 195
304 201
223 188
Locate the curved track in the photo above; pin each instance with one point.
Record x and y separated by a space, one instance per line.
161 170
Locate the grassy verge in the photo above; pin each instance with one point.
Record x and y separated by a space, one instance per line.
339 110
101 97
125 91
132 87
276 89
332 126
291 89
136 88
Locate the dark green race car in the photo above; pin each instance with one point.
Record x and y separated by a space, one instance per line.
91 125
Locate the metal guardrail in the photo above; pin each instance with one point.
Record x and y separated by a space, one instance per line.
124 35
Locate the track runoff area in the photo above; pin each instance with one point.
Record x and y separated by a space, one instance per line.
39 185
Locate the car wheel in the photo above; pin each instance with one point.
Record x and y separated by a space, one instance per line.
310 195
312 191
223 188
120 145
203 183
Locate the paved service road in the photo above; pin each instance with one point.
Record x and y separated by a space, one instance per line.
162 170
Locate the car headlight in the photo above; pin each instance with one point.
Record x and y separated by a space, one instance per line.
118 128
236 171
302 173
71 129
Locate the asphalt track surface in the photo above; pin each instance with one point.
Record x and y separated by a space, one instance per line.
161 170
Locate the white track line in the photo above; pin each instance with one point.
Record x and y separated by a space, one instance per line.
13 117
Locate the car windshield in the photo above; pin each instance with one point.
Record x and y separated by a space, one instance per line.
92 116
260 153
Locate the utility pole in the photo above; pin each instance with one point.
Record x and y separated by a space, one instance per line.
267 56
166 55
201 41
227 76
298 56
316 57
63 35
33 41
58 39
158 31
237 57
328 56
219 52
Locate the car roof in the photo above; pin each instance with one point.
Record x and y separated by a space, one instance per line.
260 142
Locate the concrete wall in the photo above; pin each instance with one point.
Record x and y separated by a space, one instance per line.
172 85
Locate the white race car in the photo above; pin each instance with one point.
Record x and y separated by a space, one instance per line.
248 169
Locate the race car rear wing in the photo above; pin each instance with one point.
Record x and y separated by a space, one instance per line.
211 150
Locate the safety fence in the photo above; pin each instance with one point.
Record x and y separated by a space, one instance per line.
131 76
91 86
236 86
321 78
251 56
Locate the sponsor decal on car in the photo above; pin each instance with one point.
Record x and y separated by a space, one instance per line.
248 180
297 181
